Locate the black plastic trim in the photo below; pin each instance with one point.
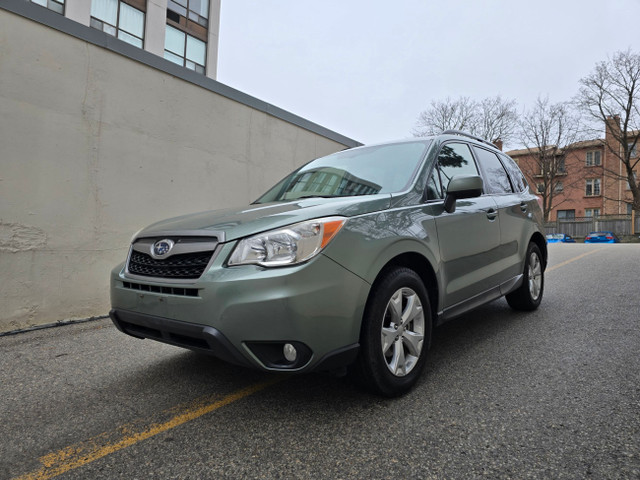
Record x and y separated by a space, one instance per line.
193 336
339 358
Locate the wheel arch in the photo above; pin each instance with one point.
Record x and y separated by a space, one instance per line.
541 242
419 264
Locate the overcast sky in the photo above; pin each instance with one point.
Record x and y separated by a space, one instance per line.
367 68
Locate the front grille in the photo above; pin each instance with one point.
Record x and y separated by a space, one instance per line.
186 265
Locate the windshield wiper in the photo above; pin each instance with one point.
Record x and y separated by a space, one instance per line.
314 196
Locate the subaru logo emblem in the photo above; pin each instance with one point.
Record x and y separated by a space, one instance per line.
161 248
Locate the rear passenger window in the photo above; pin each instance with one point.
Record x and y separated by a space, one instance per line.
517 179
455 159
497 178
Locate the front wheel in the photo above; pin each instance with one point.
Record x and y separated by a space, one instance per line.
529 295
396 334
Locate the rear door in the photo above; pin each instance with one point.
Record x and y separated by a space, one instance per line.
512 211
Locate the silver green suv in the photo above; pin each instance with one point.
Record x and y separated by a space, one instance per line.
350 261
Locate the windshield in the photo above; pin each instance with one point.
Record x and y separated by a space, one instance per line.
360 171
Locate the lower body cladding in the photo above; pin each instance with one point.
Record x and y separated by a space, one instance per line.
296 319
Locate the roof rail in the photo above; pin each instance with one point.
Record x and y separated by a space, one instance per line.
465 134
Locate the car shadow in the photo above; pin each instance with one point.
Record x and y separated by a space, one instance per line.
204 375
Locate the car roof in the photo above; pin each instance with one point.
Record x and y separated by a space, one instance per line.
444 136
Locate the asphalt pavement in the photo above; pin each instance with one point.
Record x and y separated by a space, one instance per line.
550 394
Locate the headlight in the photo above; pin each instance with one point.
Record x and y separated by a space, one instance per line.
287 246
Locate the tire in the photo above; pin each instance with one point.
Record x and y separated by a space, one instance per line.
528 296
395 334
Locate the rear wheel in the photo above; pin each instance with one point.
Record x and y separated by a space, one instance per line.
529 295
396 334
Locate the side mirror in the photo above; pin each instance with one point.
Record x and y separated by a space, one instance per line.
462 186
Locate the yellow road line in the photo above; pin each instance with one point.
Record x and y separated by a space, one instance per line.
75 456
566 262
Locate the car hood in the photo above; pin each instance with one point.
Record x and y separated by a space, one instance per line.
233 223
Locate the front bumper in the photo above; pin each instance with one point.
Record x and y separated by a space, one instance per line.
245 314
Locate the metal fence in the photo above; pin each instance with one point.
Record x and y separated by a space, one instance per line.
580 227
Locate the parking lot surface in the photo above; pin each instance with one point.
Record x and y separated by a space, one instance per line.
550 394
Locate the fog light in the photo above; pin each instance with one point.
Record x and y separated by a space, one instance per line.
290 352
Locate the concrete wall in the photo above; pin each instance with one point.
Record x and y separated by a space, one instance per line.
95 145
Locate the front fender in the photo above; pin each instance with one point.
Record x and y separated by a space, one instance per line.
369 242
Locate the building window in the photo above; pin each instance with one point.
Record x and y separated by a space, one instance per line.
560 166
594 158
566 214
184 49
635 178
195 10
559 187
593 187
629 208
55 5
540 188
632 149
119 19
591 212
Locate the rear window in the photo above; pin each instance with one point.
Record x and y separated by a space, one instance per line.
517 179
497 179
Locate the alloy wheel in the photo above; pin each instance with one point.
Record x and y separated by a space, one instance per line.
403 331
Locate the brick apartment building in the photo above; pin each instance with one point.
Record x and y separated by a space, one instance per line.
582 187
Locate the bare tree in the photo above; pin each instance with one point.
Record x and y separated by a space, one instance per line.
611 94
492 118
548 132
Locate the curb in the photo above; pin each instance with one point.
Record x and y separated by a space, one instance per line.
61 323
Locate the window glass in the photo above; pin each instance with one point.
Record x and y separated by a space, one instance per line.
497 178
592 187
566 214
195 50
201 7
174 42
434 189
176 7
135 41
455 159
131 20
359 171
105 10
173 58
593 158
517 179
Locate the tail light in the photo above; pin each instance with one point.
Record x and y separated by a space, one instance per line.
609 237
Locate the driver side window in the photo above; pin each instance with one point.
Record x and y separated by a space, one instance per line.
453 159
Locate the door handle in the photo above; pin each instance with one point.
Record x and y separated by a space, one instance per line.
492 214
